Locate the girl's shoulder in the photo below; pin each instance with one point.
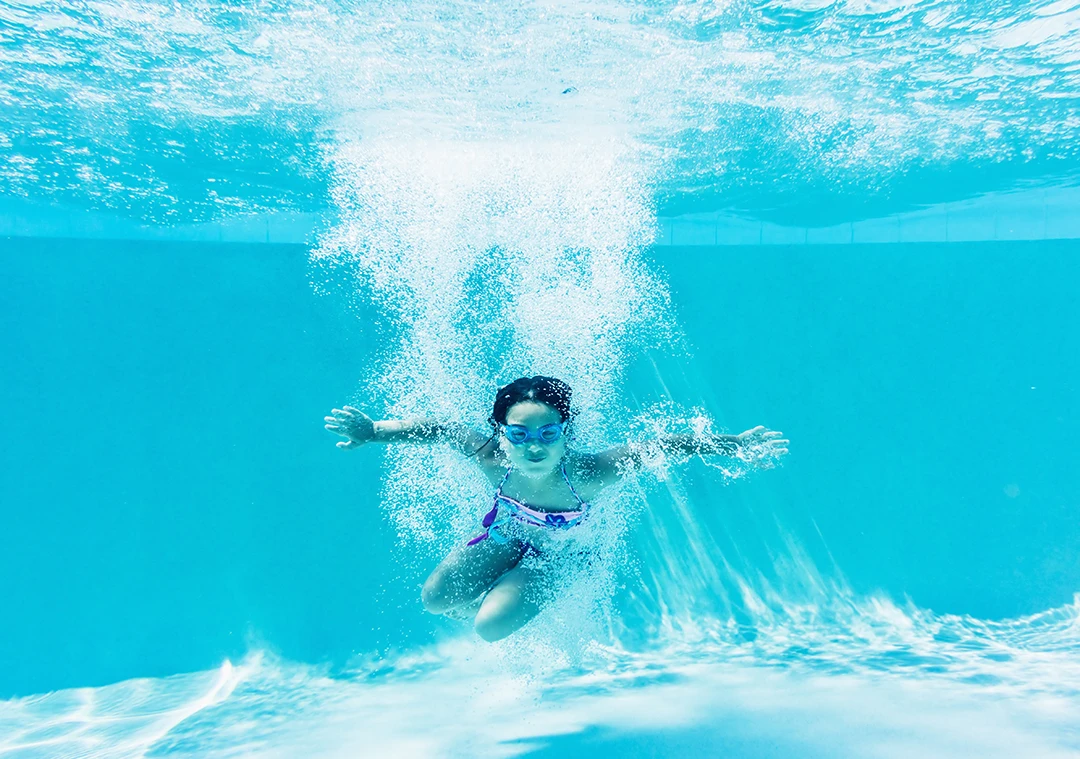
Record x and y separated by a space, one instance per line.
493 464
585 472
597 471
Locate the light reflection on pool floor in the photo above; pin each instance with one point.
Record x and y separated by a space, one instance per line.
1006 689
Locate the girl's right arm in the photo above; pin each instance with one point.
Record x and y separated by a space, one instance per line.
358 428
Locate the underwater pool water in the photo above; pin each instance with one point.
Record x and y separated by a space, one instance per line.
843 604
191 568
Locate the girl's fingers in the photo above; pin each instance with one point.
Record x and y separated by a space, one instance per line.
346 444
354 410
340 412
336 429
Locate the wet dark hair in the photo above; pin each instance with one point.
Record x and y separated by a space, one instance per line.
553 392
548 390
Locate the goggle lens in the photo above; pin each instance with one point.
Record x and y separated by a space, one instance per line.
518 434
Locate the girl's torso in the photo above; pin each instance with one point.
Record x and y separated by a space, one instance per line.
547 515
569 488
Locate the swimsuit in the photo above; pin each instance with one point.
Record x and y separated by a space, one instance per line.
556 520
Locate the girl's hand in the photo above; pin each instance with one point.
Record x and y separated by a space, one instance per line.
351 423
762 444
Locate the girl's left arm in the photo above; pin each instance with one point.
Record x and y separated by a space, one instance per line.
610 465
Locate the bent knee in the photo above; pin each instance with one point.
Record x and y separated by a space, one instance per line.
439 595
492 627
434 595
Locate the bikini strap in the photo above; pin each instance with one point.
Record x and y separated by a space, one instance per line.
567 478
498 490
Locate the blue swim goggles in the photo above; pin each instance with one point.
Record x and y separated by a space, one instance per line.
519 434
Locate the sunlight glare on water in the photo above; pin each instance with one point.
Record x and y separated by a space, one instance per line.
750 104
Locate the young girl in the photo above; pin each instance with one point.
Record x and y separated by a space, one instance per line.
541 488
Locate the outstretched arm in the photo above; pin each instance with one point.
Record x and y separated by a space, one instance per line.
758 442
358 428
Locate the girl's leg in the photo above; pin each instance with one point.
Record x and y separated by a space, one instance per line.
514 600
467 572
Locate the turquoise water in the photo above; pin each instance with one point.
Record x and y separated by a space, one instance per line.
190 567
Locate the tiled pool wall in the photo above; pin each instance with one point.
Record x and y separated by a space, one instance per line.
1042 214
1032 215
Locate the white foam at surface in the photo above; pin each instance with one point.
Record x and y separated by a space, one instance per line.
843 95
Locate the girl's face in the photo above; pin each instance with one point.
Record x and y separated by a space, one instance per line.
534 457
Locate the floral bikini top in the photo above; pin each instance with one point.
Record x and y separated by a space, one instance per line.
525 514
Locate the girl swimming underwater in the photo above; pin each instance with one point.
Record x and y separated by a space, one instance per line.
542 492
